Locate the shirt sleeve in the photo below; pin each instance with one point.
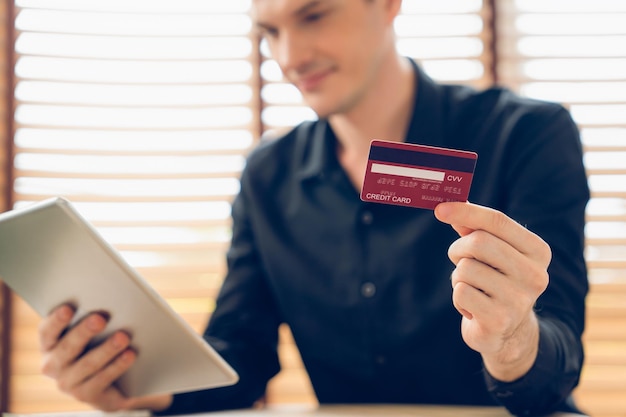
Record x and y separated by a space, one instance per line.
244 326
530 395
548 193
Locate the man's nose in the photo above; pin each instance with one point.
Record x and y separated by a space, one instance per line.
292 53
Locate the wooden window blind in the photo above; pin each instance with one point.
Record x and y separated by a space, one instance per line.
5 187
141 113
574 52
451 39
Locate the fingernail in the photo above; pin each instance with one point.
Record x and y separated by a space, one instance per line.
128 356
119 340
95 323
64 314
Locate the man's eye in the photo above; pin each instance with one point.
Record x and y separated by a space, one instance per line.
313 17
268 32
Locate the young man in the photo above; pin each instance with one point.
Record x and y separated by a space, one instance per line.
368 290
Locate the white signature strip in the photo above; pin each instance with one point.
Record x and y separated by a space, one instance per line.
422 174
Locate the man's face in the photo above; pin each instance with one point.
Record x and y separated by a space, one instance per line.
329 49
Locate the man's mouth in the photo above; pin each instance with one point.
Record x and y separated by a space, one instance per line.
311 82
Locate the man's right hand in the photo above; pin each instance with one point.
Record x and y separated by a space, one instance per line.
88 375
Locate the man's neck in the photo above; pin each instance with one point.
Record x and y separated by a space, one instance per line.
385 113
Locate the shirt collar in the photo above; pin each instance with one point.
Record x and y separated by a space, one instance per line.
318 152
426 127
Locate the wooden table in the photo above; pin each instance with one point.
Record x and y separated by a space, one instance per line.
372 411
324 411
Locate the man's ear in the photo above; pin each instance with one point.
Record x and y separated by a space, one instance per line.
393 8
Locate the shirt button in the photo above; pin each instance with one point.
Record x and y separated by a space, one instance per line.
368 290
367 217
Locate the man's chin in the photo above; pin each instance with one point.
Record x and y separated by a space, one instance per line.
327 108
323 111
320 112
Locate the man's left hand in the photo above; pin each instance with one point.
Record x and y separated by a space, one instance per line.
501 270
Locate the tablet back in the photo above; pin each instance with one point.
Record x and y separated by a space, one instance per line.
50 255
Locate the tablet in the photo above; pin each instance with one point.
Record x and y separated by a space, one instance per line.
50 255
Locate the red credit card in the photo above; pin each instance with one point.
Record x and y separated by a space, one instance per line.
420 176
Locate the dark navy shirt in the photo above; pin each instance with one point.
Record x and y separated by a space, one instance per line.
366 288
